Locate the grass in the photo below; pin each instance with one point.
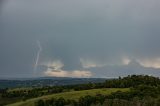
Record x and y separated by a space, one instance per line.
70 95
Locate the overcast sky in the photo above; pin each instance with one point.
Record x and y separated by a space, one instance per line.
79 38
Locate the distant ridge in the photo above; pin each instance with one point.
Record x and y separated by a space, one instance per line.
45 81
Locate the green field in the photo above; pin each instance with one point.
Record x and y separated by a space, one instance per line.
71 95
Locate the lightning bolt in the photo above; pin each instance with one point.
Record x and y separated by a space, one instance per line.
37 56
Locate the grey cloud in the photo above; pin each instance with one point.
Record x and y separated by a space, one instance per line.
121 70
103 31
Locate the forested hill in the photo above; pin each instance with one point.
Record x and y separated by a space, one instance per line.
133 81
133 90
139 89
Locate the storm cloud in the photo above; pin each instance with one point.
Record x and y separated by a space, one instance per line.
106 38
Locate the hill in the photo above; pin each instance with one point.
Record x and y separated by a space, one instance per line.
74 95
132 90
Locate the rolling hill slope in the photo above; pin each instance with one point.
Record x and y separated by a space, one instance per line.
74 95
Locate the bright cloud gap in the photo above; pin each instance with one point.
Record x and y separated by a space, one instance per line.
55 69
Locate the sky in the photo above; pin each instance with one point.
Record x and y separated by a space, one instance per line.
79 38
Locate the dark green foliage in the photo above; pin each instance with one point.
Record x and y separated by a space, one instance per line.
40 103
83 101
51 102
86 101
132 81
36 92
126 82
140 91
60 102
3 90
145 91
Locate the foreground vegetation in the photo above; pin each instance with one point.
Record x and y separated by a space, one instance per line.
135 90
73 95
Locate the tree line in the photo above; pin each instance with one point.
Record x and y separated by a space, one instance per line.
126 82
141 95
144 91
141 85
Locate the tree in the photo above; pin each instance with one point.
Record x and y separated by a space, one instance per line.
60 102
40 103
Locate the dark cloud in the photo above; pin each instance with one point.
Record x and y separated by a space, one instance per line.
121 70
101 32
